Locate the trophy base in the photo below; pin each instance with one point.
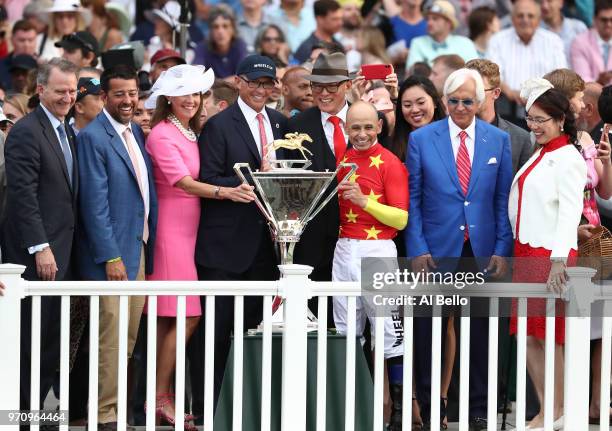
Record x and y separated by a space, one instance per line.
278 322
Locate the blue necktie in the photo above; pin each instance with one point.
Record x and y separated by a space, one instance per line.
65 150
438 45
606 54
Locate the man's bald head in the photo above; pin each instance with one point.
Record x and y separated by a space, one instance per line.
362 125
589 116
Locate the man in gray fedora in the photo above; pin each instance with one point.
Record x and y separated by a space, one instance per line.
324 122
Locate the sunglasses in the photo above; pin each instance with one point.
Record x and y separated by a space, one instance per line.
331 88
267 85
271 39
468 103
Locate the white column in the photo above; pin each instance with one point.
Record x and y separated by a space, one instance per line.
10 324
294 287
579 296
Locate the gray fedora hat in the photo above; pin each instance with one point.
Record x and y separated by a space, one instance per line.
329 68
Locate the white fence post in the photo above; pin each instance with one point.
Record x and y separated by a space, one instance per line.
294 287
10 324
579 296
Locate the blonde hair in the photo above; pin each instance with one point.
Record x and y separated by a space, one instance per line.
53 32
566 81
19 101
373 42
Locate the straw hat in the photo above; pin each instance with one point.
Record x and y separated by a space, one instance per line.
181 80
444 9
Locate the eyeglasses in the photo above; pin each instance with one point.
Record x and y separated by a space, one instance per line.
468 103
266 85
271 39
537 120
331 88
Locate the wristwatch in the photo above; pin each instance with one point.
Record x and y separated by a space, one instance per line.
217 190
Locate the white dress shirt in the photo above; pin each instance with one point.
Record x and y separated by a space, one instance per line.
54 123
328 127
144 173
519 61
454 131
251 118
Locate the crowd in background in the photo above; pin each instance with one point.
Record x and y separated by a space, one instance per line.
138 182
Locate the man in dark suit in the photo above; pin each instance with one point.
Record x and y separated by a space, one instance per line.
41 216
234 242
522 145
118 206
325 124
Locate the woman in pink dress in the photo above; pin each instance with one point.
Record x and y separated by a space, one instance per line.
545 206
172 144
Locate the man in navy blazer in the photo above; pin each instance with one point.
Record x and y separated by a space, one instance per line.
234 241
118 206
460 175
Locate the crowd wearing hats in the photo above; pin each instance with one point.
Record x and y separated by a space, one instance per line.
93 76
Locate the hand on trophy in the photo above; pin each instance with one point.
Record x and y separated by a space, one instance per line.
352 192
243 193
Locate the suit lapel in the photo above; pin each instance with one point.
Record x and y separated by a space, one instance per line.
54 143
480 154
245 132
117 144
276 129
444 147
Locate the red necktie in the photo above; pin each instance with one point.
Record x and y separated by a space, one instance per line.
339 142
262 139
464 169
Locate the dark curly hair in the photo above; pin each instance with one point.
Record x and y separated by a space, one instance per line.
557 105
399 140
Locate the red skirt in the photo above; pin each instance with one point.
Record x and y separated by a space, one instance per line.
532 265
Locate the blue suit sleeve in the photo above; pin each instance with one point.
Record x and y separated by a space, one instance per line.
413 235
503 242
93 200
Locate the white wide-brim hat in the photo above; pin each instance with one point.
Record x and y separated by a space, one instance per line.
169 13
181 80
67 6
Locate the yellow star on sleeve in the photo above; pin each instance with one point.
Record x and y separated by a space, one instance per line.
372 232
344 159
376 161
373 195
351 216
353 178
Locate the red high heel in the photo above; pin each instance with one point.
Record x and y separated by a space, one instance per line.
163 418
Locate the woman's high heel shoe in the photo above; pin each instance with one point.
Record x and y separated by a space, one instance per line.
164 418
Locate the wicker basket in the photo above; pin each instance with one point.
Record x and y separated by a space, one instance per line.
596 252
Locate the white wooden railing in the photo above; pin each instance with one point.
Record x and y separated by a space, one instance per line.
295 286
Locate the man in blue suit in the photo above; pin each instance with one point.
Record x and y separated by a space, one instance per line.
460 176
119 209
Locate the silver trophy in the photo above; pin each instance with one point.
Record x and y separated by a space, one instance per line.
290 196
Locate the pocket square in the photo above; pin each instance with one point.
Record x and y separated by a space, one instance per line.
492 161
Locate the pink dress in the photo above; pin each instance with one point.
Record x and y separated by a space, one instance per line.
590 211
174 157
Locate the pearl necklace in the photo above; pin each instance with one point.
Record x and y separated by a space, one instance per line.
188 133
